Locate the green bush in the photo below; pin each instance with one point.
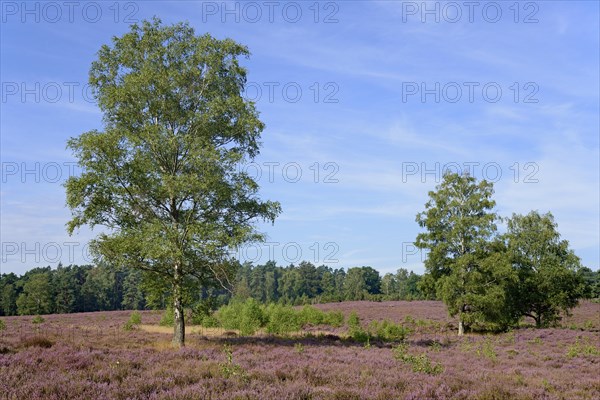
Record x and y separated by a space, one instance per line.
360 335
353 320
388 331
203 309
168 318
310 315
334 319
585 348
283 320
129 326
356 331
247 317
229 315
210 321
135 318
2 325
253 318
38 319
420 363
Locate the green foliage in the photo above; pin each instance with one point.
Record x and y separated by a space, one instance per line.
36 297
252 317
8 292
388 331
247 317
283 320
163 176
135 319
459 221
403 285
334 319
492 281
549 279
38 319
355 329
585 348
419 363
487 349
210 321
231 369
361 282
310 315
299 348
168 318
2 325
203 310
353 320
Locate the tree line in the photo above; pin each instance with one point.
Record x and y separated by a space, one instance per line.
85 288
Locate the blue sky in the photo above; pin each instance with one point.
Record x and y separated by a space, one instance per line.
369 100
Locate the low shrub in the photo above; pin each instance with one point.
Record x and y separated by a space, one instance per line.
203 309
334 319
135 319
38 319
247 317
230 369
355 329
168 318
388 331
2 325
419 363
487 349
253 318
229 315
353 321
283 320
585 349
310 315
210 321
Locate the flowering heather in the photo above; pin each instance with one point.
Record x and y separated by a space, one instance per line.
90 356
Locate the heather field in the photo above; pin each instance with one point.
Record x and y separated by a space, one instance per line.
91 356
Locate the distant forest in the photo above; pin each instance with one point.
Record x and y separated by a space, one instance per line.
75 288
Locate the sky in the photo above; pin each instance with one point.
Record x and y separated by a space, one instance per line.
366 105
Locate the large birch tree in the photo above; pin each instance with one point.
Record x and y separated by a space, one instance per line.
162 178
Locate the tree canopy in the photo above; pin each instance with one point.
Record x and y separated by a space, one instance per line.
162 178
548 270
490 279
